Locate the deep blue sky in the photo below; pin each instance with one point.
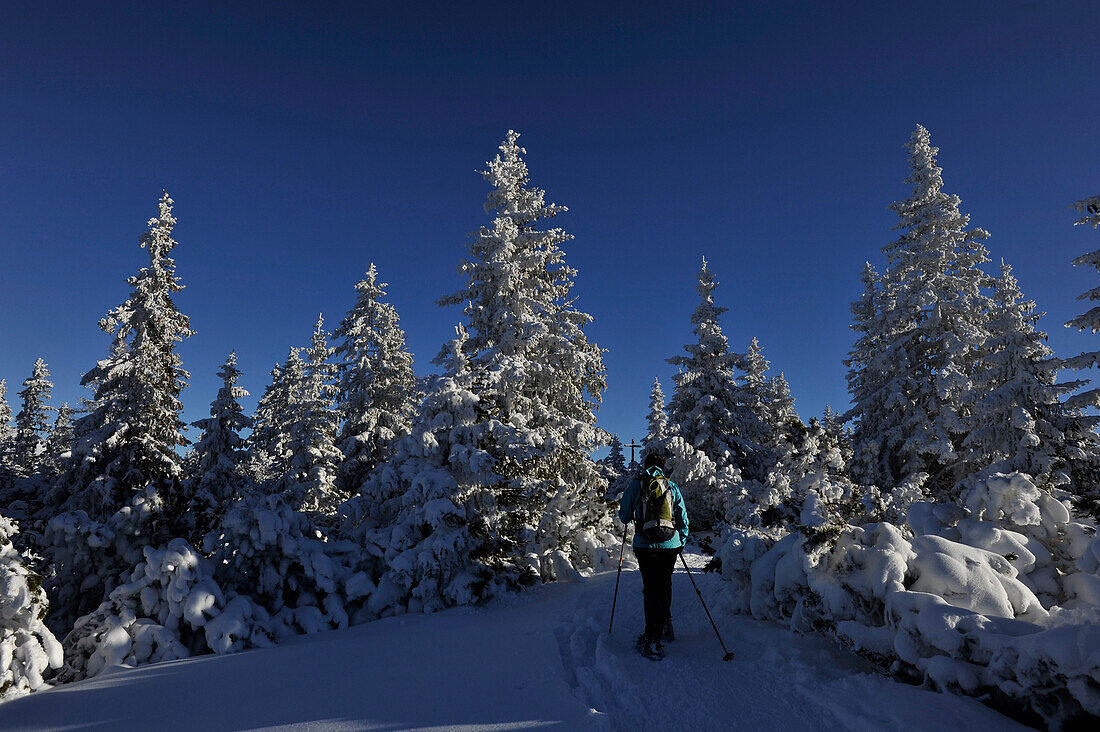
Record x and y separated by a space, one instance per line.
301 144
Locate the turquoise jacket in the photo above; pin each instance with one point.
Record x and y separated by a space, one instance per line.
630 509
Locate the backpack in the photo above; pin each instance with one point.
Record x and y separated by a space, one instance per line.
656 524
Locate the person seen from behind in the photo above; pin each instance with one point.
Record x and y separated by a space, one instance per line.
655 505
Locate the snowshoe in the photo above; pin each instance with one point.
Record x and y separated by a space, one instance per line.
651 649
667 634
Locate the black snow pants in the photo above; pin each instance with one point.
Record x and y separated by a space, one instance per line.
656 568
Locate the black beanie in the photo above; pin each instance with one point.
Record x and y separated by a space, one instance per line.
652 460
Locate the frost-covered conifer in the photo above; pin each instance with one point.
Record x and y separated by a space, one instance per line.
1016 403
32 422
613 466
129 439
267 445
929 329
219 454
657 419
28 650
7 432
708 409
59 442
1090 320
756 393
832 422
436 517
310 482
867 371
779 412
1087 321
538 377
376 386
615 460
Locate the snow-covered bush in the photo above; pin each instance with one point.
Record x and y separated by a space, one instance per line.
28 650
266 550
1008 514
90 558
952 598
170 608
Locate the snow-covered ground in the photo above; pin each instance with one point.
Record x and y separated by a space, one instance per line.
533 662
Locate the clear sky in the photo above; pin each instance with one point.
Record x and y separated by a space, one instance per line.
303 141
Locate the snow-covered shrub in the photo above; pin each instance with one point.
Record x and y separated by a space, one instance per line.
958 616
266 550
28 650
90 558
1009 515
170 608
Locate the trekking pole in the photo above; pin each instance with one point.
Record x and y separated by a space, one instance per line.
615 599
728 654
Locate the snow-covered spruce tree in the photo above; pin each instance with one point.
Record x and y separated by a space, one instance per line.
709 414
128 442
7 432
170 607
1015 407
780 408
657 419
269 456
1090 499
615 464
123 484
867 372
28 650
376 386
538 376
929 333
764 424
310 483
59 442
219 455
429 517
32 421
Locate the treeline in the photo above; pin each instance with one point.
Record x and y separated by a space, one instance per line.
355 491
945 526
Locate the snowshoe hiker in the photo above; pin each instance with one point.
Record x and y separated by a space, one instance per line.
655 505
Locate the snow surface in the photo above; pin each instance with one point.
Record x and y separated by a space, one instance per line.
544 661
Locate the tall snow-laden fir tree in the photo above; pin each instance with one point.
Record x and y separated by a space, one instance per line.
657 419
867 372
59 442
432 509
756 393
128 441
1090 320
32 422
711 428
614 464
539 378
7 432
1087 479
1016 405
269 456
929 329
708 408
314 458
779 411
219 455
376 385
